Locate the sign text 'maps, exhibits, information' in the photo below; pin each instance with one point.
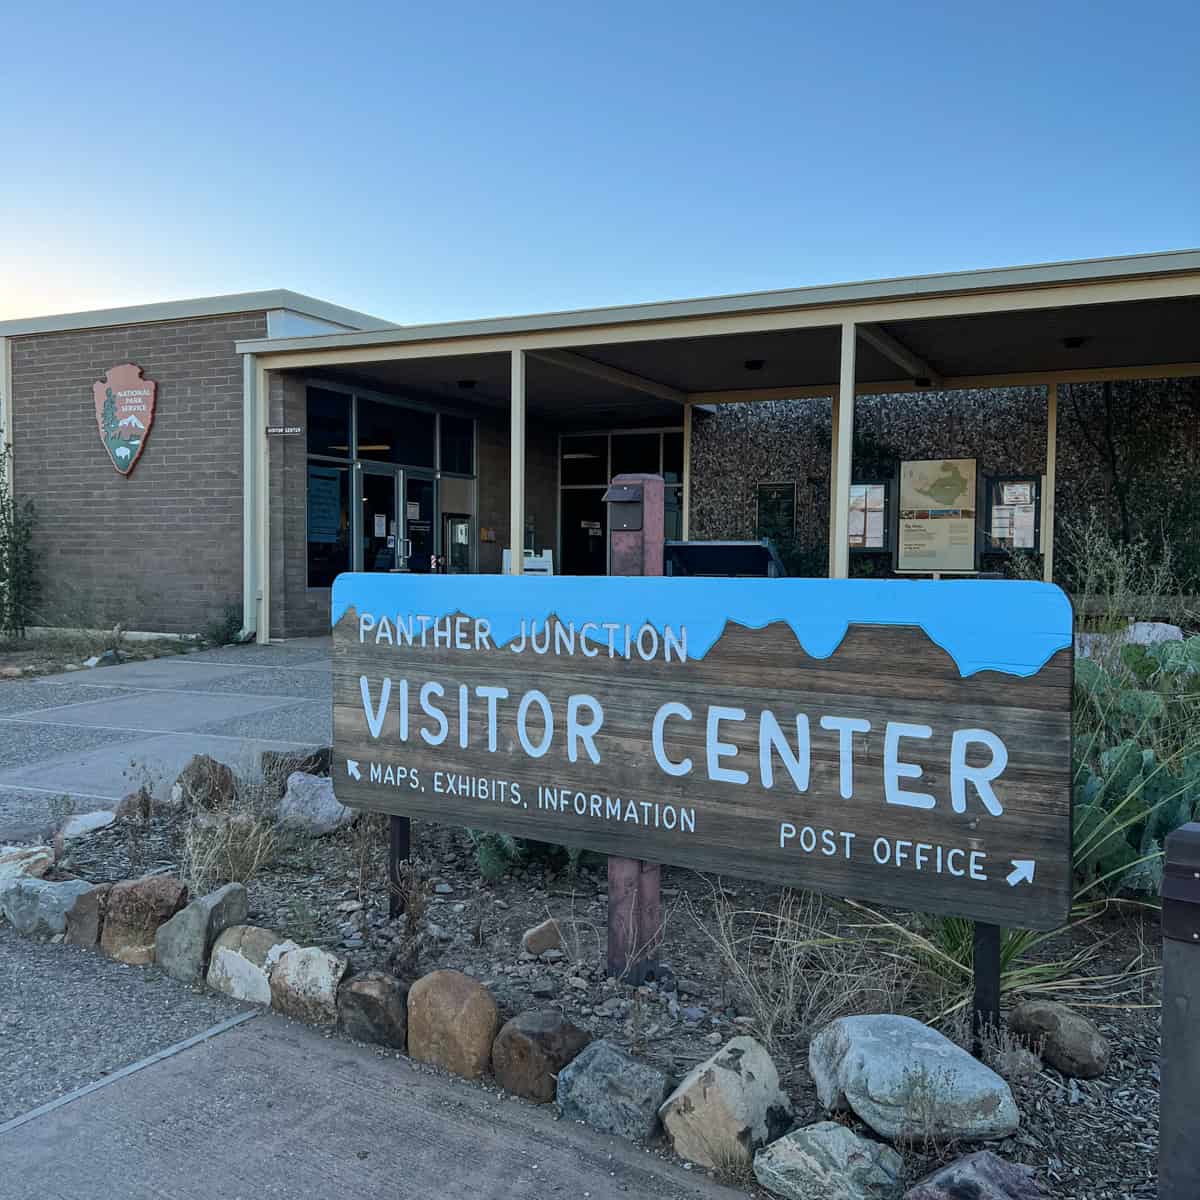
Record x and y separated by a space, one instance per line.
902 742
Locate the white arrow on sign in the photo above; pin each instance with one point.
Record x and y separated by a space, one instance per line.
1022 871
352 768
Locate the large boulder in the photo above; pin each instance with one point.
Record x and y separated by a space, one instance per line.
452 1022
85 918
530 1051
39 907
304 984
907 1081
612 1092
1067 1040
242 959
827 1161
25 861
205 784
979 1176
310 807
373 1007
727 1107
182 944
543 937
135 910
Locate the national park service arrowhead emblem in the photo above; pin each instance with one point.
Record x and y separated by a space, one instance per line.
124 413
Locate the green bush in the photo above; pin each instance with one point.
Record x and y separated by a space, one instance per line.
18 560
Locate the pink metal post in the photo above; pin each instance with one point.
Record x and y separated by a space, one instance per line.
634 895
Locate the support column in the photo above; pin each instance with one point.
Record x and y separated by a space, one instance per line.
687 471
262 501
516 468
249 509
839 475
1048 482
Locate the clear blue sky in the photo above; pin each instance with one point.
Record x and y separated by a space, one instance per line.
435 161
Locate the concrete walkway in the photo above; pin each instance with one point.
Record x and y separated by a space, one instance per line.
273 1109
97 735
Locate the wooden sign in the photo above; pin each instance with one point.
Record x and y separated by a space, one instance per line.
124 413
902 742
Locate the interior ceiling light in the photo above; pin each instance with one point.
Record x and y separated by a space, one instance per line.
754 364
1075 341
467 384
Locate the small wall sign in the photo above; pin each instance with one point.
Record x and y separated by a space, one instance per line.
124 413
283 430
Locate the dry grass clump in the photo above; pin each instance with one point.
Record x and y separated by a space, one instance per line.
798 965
234 836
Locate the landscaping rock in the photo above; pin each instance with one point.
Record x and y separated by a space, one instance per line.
727 1107
452 1023
85 823
979 1176
204 783
827 1161
1068 1041
530 1051
373 1007
182 944
85 918
304 984
241 962
612 1092
310 807
137 806
907 1081
38 907
276 765
543 937
136 908
31 862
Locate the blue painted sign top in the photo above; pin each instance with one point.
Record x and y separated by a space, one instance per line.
984 625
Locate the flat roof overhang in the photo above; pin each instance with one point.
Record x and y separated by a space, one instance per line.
1097 319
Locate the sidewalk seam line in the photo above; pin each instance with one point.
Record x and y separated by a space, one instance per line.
88 1089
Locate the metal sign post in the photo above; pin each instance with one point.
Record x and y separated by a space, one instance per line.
1178 1151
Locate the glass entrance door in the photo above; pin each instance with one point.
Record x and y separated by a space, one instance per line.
420 520
380 541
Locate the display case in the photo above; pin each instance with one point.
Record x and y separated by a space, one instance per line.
1012 514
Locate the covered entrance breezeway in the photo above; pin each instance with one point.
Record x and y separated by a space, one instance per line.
560 403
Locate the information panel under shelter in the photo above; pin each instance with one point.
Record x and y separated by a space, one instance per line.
937 516
903 742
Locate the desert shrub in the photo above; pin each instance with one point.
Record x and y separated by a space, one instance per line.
800 964
234 837
223 630
19 579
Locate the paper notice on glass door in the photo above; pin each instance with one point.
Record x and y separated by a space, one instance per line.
381 524
1023 527
874 529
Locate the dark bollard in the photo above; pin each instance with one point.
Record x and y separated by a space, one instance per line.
1179 1056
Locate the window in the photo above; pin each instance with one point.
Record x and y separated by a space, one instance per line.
672 468
328 523
585 460
776 512
458 445
390 433
635 454
328 422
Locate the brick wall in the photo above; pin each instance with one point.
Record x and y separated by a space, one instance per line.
161 548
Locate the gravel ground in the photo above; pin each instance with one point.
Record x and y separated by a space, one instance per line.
69 1017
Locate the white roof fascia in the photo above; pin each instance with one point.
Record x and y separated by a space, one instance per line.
204 306
908 287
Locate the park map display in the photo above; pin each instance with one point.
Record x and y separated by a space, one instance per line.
937 515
